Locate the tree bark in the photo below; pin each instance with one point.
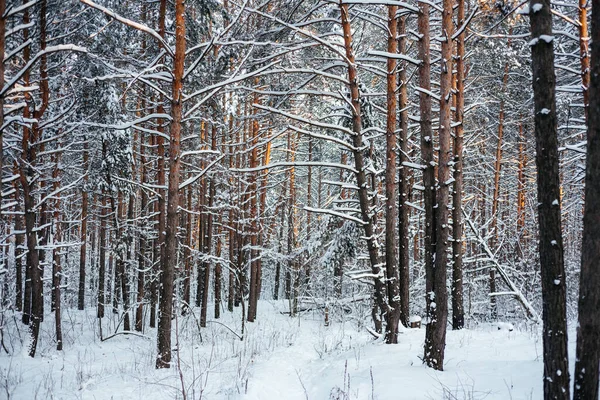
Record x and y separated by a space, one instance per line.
391 263
588 328
403 181
83 235
102 259
556 364
359 165
428 169
458 311
434 355
163 359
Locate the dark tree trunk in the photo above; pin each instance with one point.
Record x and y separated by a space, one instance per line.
56 266
556 364
434 354
83 247
19 251
428 169
102 260
588 329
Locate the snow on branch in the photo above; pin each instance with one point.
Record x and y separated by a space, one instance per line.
396 56
304 120
336 214
324 137
402 4
193 179
529 310
295 164
133 24
34 59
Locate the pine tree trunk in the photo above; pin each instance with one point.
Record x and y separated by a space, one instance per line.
556 364
83 247
56 266
584 55
458 311
359 166
19 251
391 262
434 356
163 359
404 181
428 170
588 328
102 259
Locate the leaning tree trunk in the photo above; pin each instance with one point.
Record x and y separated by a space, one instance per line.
359 164
556 364
163 359
588 329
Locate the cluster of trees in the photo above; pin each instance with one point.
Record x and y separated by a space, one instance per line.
158 156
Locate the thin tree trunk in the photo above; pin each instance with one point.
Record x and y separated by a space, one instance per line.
83 235
428 171
585 55
359 165
19 252
56 266
102 259
588 328
391 263
159 254
458 311
404 181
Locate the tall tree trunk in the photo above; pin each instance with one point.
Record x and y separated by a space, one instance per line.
26 316
168 265
142 243
391 263
434 356
218 271
56 266
159 252
403 181
83 247
458 311
585 55
496 195
521 192
102 259
254 229
556 363
19 251
428 169
359 166
2 55
588 328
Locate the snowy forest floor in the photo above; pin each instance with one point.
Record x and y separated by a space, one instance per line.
279 358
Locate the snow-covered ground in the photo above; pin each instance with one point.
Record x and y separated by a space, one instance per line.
279 358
